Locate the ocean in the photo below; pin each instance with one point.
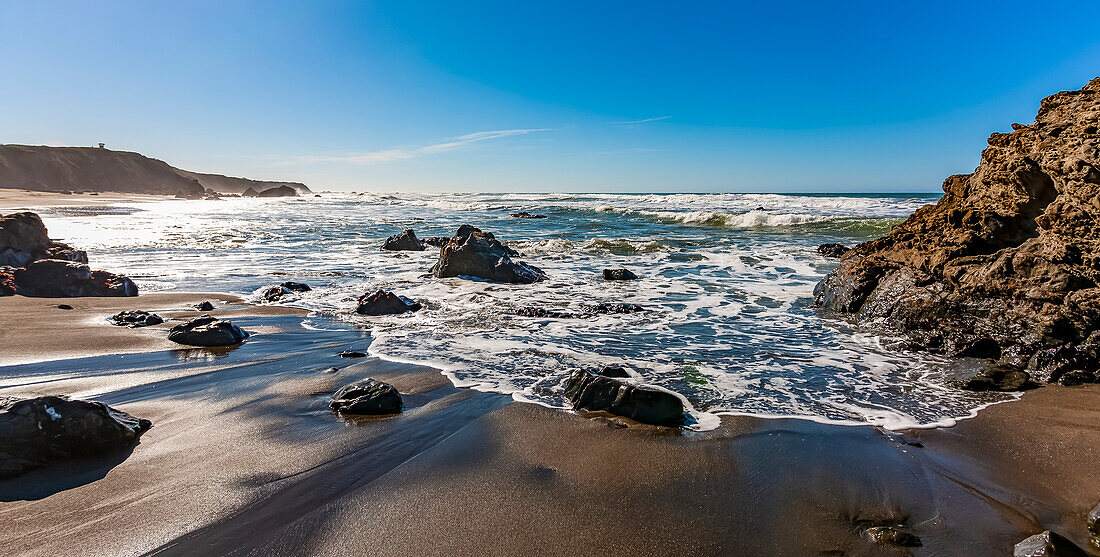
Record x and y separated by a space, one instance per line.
726 281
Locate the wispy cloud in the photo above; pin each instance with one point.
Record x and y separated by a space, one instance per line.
402 153
643 121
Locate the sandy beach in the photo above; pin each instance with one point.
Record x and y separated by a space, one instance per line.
245 457
17 200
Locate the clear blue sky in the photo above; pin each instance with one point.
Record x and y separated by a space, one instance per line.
544 96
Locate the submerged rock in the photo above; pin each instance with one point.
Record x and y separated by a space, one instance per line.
595 392
618 274
532 311
891 535
296 286
276 292
404 241
384 302
136 318
832 250
473 253
367 397
526 215
999 378
609 307
1047 544
1006 261
37 432
207 331
54 278
352 354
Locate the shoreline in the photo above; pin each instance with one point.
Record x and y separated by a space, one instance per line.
783 485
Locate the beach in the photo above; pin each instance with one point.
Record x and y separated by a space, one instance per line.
238 465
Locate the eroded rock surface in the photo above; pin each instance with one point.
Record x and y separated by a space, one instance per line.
473 253
1007 264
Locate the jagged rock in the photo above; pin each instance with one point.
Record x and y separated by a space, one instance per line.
404 241
65 252
367 397
384 302
526 215
437 241
278 191
1007 262
891 535
832 250
54 278
606 307
618 274
595 392
204 306
1047 544
207 331
136 318
999 378
473 253
532 311
37 432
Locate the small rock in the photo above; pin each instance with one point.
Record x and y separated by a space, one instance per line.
384 302
204 306
405 241
353 354
892 535
526 215
590 391
999 378
296 286
64 306
618 274
613 308
1093 523
136 318
37 432
207 331
832 250
1047 544
532 311
367 397
274 293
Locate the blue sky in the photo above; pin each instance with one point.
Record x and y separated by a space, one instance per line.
555 96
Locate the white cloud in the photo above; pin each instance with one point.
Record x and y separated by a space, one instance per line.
644 121
401 153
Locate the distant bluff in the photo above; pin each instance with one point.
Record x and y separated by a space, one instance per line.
1007 264
42 168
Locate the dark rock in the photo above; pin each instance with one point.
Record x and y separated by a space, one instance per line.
606 307
136 318
532 311
296 286
278 191
832 250
274 293
614 371
891 535
526 215
1047 544
618 274
7 281
54 278
204 306
352 354
384 302
207 331
367 397
65 252
1010 256
37 432
473 253
23 238
999 378
1092 521
64 306
437 241
404 241
589 391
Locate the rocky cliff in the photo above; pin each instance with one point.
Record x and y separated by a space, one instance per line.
42 168
1006 265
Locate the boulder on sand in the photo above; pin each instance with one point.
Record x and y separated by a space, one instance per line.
37 432
596 392
1006 261
204 306
54 278
473 253
207 331
404 241
384 302
366 398
1047 544
136 318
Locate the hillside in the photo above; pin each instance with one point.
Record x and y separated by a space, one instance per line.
42 168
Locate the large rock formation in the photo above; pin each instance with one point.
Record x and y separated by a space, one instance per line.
33 265
278 191
37 432
473 253
42 168
1007 264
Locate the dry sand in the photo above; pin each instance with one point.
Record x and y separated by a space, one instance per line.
244 457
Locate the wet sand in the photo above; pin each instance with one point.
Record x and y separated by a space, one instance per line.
15 199
245 457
